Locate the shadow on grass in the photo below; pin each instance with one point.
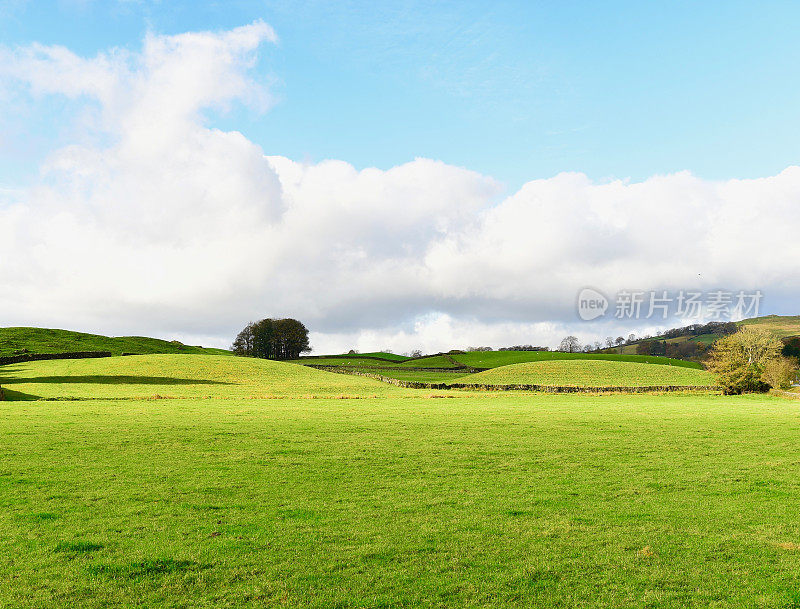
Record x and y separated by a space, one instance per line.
18 396
78 547
110 379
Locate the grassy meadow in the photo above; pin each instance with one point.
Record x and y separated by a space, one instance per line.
179 376
269 484
592 373
476 501
494 359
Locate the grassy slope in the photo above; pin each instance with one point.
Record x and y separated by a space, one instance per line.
425 376
187 376
355 361
502 501
493 359
311 359
780 325
386 355
349 362
591 373
433 361
45 340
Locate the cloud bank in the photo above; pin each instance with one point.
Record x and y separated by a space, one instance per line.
156 222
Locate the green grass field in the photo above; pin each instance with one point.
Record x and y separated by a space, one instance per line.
386 497
488 501
421 375
493 359
360 361
45 340
179 376
348 362
592 373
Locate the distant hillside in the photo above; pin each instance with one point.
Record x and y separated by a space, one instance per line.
381 355
45 340
781 326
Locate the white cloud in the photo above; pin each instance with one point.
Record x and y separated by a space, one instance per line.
157 222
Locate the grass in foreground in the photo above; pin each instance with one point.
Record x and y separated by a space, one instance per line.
179 376
490 501
46 340
592 373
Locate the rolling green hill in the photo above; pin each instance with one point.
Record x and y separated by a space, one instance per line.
364 361
46 340
180 376
493 359
780 325
592 373
383 355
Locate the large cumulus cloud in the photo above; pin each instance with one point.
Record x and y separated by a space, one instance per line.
154 221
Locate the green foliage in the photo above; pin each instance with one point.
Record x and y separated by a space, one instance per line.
592 373
45 340
281 339
740 359
779 373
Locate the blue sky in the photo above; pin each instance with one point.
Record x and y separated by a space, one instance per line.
515 90
428 175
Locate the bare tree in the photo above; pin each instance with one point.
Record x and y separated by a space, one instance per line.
570 344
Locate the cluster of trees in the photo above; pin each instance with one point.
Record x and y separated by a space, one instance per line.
571 344
751 360
512 348
682 350
272 339
713 327
646 346
791 347
524 348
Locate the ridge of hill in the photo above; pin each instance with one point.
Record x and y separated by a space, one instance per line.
14 340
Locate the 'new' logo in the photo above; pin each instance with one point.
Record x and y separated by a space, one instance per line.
591 304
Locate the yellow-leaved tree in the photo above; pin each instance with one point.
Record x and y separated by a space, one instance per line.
741 359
